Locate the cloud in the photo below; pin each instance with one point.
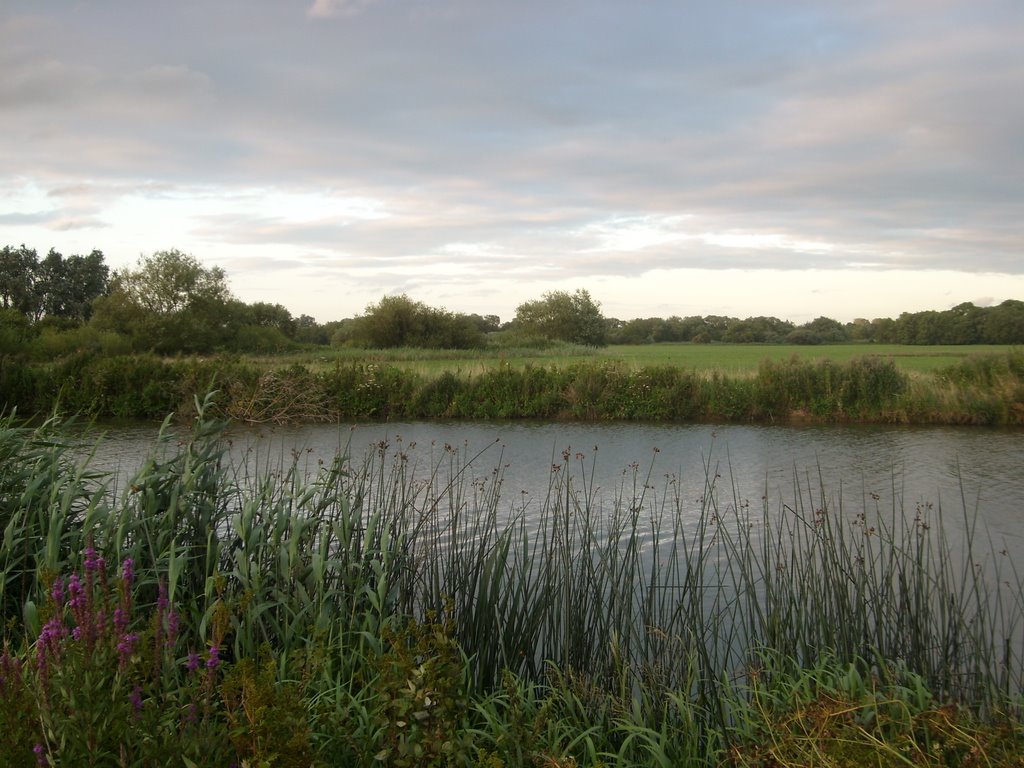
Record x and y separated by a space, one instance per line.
576 140
325 9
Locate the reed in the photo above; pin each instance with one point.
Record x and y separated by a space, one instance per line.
871 389
641 628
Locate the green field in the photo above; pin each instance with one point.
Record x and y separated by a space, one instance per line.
742 358
726 358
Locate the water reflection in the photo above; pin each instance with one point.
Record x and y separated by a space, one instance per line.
891 468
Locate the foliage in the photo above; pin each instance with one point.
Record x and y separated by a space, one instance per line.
55 287
169 303
573 317
871 389
398 321
834 714
422 696
379 610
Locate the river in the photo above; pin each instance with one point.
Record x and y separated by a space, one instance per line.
979 470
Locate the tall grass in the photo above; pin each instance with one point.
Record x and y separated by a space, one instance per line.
636 629
985 390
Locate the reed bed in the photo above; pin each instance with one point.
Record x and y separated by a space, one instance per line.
871 389
397 611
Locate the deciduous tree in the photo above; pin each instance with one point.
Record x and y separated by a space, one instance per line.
573 317
169 303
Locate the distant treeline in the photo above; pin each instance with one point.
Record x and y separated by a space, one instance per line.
963 324
169 303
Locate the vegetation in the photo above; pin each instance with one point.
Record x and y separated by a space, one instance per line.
381 612
76 339
398 321
560 316
169 303
983 391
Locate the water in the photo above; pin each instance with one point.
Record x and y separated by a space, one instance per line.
885 471
880 467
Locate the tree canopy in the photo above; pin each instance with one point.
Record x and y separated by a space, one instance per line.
398 321
168 303
560 315
52 287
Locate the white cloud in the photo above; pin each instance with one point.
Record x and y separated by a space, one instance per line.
545 145
323 9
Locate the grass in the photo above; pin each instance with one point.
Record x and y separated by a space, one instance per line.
731 359
395 612
745 358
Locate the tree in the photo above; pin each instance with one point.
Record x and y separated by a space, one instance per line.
560 315
19 271
309 331
398 321
169 303
69 286
826 329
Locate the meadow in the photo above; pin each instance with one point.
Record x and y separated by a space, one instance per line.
732 359
383 612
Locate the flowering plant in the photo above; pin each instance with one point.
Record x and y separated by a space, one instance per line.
102 684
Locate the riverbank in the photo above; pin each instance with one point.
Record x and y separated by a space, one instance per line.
372 615
987 390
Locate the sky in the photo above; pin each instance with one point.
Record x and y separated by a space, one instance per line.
794 158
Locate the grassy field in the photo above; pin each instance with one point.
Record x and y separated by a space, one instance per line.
743 358
725 358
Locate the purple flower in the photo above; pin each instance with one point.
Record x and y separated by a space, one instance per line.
193 662
161 597
57 593
10 672
48 643
128 572
120 620
76 593
126 647
92 563
214 659
40 751
172 627
135 697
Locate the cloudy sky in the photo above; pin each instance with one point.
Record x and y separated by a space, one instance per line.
792 158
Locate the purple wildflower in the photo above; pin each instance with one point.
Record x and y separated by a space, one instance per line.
40 751
193 662
161 597
128 572
10 672
214 660
91 561
135 697
172 627
76 593
57 592
48 643
120 621
126 647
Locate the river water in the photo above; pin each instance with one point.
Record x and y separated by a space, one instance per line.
980 471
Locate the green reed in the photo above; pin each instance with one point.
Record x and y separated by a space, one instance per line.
648 620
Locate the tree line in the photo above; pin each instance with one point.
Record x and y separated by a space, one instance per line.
963 324
170 303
